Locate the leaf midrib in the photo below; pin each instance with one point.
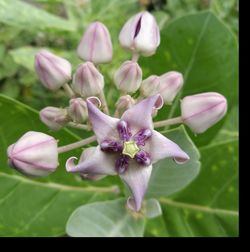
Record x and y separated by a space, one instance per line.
195 207
190 63
110 189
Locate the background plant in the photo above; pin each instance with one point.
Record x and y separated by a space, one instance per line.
197 43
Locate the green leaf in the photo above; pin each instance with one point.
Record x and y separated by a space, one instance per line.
209 206
104 219
169 177
152 208
24 56
25 16
38 207
202 48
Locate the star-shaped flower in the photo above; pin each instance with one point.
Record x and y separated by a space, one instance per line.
128 147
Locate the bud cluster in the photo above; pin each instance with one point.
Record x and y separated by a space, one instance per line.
36 154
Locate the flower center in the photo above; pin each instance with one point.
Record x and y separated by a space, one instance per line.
130 148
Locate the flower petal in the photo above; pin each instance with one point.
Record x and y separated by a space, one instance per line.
140 114
93 161
103 125
160 147
137 178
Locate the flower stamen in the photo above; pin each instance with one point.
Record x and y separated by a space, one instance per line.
130 148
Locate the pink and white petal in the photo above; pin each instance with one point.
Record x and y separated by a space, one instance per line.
140 115
136 178
103 125
95 162
160 147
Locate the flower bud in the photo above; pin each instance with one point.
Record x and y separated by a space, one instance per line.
201 111
125 102
78 110
140 34
52 70
34 154
170 85
96 45
150 86
128 77
54 118
88 81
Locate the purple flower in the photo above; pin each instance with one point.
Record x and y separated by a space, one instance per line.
128 147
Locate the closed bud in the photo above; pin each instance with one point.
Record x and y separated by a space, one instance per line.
140 34
125 102
88 81
170 85
201 111
54 118
34 154
150 86
128 77
52 70
78 110
96 45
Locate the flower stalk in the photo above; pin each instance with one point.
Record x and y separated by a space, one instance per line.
104 102
79 126
172 121
76 145
68 90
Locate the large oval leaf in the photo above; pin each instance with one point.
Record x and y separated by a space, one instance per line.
202 48
20 14
104 219
169 177
209 205
33 207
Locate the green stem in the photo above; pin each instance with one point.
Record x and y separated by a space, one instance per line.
68 90
76 145
171 121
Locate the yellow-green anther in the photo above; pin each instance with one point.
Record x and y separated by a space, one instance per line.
130 148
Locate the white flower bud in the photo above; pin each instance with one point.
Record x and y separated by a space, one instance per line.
128 77
34 154
96 45
140 34
78 110
170 85
54 118
150 86
201 111
53 71
125 102
87 81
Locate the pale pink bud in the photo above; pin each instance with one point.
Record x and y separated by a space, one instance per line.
34 154
170 85
140 34
150 86
96 45
125 102
53 71
201 111
128 77
54 118
88 81
78 110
